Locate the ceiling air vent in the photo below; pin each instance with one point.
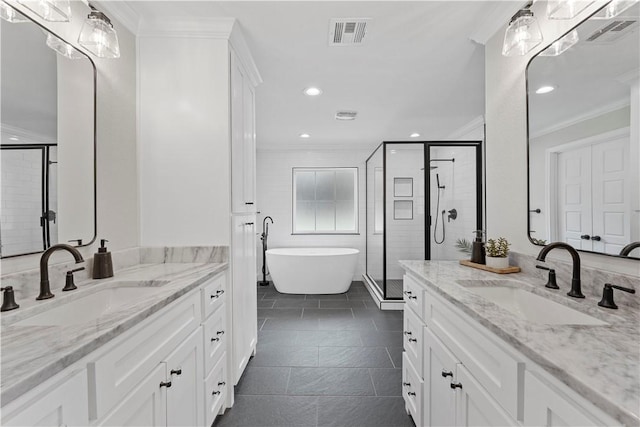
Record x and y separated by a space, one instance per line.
613 31
347 31
346 115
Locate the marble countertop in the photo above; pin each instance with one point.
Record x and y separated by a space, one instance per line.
601 363
32 354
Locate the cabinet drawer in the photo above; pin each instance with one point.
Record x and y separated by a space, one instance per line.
412 386
215 339
213 294
413 295
495 368
412 339
215 387
128 360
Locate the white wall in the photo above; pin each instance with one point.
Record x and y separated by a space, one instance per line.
184 141
274 198
116 139
506 144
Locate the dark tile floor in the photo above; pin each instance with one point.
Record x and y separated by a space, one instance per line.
322 360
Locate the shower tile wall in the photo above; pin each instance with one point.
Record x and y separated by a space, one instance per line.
405 237
274 198
21 203
459 178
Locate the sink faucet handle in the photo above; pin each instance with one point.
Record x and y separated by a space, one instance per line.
78 241
551 282
607 295
8 299
69 285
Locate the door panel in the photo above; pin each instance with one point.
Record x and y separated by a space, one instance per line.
574 197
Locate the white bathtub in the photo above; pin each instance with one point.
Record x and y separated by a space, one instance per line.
312 270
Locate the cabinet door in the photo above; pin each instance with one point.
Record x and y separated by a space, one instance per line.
439 370
185 398
474 405
543 406
237 136
144 406
249 150
60 405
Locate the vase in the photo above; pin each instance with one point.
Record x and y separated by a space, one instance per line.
497 262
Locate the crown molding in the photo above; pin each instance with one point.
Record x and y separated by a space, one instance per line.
120 11
237 41
581 118
474 124
629 77
213 28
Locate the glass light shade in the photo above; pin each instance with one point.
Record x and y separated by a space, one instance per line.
99 37
9 14
561 45
613 9
63 48
522 35
49 10
565 9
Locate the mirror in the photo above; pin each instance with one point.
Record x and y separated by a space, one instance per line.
48 141
583 137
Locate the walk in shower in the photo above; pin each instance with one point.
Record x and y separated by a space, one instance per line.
424 199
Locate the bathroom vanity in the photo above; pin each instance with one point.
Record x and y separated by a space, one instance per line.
149 347
487 349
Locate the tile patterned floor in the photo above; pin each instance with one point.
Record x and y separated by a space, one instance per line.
322 360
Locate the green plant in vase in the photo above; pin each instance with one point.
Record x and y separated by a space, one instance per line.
497 251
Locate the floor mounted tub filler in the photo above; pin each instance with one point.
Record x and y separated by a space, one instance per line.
312 270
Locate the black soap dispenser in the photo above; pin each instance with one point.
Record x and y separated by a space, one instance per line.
477 249
102 264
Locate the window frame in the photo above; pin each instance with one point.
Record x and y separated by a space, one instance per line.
356 201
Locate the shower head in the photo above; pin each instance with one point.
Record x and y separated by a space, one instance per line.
433 167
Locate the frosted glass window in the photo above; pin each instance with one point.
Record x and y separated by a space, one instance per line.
325 200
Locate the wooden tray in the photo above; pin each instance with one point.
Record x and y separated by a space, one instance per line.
491 269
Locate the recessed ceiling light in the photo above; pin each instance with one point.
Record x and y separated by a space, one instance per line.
14 138
545 89
312 91
393 151
414 135
305 135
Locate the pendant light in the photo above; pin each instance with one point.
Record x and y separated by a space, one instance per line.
98 36
565 9
561 45
63 48
522 35
614 8
49 10
9 14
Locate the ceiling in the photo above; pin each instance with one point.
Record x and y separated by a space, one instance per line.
417 71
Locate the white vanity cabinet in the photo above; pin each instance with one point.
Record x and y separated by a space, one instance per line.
469 377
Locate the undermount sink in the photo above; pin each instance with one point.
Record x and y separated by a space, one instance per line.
89 308
529 306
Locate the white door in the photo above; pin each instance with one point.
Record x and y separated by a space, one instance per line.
439 398
574 198
474 405
237 136
611 196
145 405
185 399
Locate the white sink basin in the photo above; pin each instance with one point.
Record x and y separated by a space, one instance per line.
90 308
532 307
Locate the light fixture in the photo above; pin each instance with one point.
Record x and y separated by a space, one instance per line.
545 89
312 91
98 36
414 135
63 48
393 151
614 8
49 10
9 14
522 35
14 138
305 135
565 9
562 44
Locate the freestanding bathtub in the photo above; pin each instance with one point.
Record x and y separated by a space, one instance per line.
312 270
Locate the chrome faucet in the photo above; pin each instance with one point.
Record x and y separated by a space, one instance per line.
627 249
45 290
576 290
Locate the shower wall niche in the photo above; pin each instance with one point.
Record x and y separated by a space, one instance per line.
423 198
